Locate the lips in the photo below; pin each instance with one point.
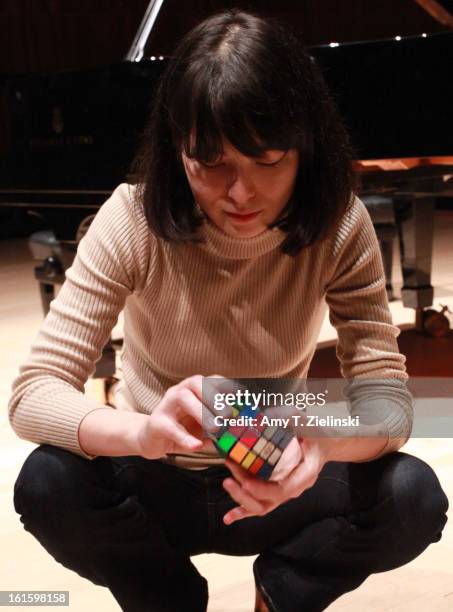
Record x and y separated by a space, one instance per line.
243 217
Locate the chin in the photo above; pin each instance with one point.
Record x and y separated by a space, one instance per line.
245 232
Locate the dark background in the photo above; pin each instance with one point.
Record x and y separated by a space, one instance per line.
55 35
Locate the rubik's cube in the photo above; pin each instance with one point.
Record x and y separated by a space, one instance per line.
255 446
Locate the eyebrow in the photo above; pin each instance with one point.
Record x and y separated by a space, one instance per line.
263 154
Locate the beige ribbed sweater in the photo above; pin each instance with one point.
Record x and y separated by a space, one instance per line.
238 307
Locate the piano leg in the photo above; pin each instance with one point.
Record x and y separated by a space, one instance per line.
47 293
48 274
415 221
386 236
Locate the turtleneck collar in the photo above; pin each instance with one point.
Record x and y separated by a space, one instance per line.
232 247
219 243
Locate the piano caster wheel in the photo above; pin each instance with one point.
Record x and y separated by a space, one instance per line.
435 323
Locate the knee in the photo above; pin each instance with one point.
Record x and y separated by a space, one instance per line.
420 502
43 482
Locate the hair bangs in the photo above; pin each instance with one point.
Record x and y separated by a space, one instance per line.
216 114
254 133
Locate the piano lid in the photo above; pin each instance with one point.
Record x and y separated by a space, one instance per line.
388 64
317 22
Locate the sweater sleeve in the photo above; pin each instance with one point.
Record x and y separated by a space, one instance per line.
367 347
48 401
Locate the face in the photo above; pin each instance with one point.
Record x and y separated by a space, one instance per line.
243 195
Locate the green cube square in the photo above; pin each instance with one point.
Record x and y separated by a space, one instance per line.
226 441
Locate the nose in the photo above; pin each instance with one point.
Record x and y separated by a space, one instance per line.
241 190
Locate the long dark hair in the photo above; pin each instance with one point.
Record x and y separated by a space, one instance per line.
250 80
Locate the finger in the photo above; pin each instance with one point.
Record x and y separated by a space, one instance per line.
241 475
191 405
236 514
207 446
291 457
194 384
188 404
203 386
215 390
175 432
261 490
301 478
241 497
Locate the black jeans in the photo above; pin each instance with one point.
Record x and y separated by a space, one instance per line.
132 524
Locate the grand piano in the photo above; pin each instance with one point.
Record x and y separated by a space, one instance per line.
71 135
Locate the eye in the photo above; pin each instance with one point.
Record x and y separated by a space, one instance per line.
275 163
205 165
271 164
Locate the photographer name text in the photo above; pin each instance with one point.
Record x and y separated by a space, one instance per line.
295 420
